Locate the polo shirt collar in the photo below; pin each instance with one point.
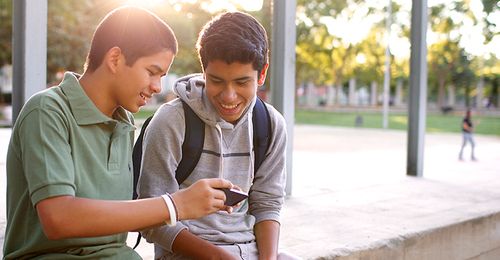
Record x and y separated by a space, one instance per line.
84 110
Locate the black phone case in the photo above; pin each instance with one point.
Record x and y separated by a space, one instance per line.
233 197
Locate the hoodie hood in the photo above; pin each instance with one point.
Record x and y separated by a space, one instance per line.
191 90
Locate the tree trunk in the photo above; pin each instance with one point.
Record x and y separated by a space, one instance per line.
467 98
495 99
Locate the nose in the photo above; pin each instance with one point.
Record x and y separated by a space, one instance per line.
156 85
228 94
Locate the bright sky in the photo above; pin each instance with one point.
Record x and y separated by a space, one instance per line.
355 19
213 6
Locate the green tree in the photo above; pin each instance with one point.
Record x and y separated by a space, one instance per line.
5 32
324 58
70 25
444 56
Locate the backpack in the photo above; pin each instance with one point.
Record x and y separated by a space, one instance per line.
194 138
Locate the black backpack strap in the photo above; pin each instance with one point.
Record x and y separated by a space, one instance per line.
137 156
261 132
194 138
138 240
136 161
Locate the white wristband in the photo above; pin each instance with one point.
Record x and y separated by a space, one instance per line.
171 210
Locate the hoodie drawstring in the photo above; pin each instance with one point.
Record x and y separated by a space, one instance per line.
221 162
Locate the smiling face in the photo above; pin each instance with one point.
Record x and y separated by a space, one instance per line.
136 84
232 87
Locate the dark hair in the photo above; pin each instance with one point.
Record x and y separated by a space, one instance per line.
136 31
233 37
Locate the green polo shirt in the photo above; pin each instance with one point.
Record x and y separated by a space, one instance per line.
61 144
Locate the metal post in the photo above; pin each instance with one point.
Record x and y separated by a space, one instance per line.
29 51
283 71
387 72
418 89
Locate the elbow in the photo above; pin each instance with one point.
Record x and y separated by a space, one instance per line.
53 220
53 227
53 234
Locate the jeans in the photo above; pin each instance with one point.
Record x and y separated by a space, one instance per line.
467 138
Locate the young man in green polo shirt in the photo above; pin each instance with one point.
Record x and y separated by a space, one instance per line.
69 163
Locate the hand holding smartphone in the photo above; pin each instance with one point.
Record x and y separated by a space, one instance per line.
233 196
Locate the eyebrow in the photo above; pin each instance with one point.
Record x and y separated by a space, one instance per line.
157 69
237 79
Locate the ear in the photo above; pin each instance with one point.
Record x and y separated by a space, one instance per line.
262 74
113 58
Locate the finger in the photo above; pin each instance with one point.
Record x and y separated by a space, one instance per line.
218 183
228 209
237 187
218 205
219 195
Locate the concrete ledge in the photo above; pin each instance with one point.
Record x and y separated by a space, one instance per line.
474 239
411 219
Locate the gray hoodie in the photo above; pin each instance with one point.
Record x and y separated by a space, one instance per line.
162 153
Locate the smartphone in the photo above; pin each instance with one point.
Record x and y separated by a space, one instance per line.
233 196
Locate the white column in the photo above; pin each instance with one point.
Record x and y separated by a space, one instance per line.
398 98
283 72
352 92
339 94
417 101
310 95
451 95
373 93
29 51
330 95
480 93
387 71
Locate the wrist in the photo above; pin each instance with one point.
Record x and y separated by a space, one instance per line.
172 211
179 206
219 253
268 256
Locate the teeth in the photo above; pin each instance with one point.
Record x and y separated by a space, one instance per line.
228 106
143 97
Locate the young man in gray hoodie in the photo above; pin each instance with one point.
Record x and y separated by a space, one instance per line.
233 52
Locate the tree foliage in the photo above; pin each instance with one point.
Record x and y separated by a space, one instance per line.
323 57
5 32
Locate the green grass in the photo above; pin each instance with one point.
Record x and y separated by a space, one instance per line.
489 125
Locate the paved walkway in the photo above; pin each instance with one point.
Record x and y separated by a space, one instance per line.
350 191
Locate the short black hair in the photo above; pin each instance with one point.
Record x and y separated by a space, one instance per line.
136 31
233 37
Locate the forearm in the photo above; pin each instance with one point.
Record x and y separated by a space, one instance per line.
69 217
267 236
188 244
